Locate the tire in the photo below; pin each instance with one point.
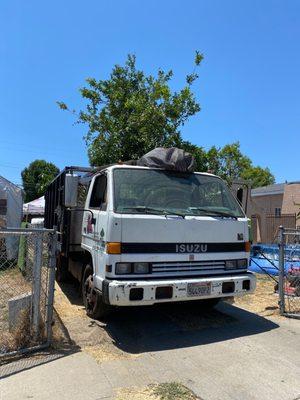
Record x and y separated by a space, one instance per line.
92 299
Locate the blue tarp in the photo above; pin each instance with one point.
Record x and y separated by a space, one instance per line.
270 264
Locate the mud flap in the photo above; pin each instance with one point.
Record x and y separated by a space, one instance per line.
105 291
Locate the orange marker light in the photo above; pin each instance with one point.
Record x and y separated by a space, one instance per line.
113 248
247 247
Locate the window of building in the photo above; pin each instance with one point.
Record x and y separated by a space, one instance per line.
277 212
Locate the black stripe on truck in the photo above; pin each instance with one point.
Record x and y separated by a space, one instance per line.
182 248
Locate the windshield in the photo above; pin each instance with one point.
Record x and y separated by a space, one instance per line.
166 192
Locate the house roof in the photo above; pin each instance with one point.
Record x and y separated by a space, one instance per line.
6 183
277 188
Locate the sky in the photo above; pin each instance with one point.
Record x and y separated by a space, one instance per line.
249 84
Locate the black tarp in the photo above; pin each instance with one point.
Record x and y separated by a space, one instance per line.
168 158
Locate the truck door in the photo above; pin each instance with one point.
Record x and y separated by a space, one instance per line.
97 230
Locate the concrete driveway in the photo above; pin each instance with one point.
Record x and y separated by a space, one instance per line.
234 355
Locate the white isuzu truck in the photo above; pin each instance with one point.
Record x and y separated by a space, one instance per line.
138 235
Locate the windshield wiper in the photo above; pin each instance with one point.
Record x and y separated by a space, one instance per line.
213 212
152 210
145 209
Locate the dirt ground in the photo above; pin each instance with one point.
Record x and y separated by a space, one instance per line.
264 301
72 325
136 337
103 340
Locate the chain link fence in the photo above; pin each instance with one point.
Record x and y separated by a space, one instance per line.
289 272
27 275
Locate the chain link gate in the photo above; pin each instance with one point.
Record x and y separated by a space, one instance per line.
27 276
289 272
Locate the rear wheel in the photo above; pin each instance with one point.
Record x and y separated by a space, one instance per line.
92 299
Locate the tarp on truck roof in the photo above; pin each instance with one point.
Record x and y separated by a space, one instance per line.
172 158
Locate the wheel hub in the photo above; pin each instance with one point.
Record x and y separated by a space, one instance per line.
90 292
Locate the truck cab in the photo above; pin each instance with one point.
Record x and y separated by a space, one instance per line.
151 235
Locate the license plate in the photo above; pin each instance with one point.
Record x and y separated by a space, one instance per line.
199 289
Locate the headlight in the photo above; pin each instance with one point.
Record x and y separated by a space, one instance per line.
140 268
123 268
236 264
230 264
243 263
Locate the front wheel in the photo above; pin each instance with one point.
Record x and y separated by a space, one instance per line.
92 299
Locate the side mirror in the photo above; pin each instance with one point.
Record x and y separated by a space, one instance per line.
71 190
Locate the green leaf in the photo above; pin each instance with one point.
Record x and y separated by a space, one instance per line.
198 58
130 113
62 105
36 177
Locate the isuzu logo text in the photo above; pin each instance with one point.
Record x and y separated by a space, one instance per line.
191 248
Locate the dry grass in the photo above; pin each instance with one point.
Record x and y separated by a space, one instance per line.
172 391
20 337
82 330
136 394
107 351
162 391
12 284
264 301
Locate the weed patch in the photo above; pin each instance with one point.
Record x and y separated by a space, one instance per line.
172 391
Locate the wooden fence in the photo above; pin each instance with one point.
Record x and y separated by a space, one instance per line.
265 229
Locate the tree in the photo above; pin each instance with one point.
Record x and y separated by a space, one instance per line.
131 113
36 178
258 176
199 154
213 160
230 164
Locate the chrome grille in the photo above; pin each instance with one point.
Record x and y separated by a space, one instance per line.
189 268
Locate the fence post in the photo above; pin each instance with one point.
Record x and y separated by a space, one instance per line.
50 295
37 267
281 301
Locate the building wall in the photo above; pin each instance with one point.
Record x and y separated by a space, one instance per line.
266 204
261 207
291 196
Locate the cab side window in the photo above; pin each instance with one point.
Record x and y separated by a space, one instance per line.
98 197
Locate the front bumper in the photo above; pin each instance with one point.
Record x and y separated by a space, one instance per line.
119 293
